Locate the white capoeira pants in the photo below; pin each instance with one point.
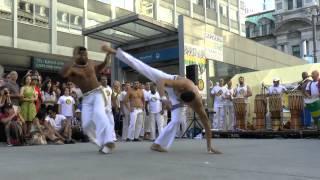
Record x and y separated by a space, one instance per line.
95 117
168 134
155 118
125 126
230 116
182 126
218 118
136 122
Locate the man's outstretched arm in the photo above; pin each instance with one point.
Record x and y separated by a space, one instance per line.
106 62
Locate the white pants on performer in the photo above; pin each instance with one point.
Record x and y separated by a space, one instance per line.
230 117
125 126
95 117
218 118
155 118
168 134
135 126
182 127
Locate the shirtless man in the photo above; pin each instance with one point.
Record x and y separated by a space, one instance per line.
136 99
82 72
180 91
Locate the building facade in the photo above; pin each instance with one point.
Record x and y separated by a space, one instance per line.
42 33
288 28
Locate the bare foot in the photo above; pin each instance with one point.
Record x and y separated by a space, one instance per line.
157 147
214 151
108 148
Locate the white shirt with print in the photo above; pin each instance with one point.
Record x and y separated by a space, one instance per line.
67 105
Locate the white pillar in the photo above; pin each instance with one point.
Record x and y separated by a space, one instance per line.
53 23
156 9
218 13
175 23
15 24
191 8
85 20
205 10
229 19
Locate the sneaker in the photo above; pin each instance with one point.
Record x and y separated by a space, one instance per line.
137 140
129 140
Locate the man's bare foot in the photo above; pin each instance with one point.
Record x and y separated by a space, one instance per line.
214 151
157 147
108 148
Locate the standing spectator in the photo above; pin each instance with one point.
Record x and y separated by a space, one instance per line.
49 96
108 102
147 124
13 125
74 88
13 87
125 111
136 99
56 89
66 104
28 106
306 114
155 111
115 99
228 107
36 84
313 95
218 118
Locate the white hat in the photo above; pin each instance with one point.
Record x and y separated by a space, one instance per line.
78 110
276 79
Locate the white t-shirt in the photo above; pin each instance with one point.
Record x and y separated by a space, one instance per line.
155 105
57 122
314 90
226 94
218 92
277 90
108 91
67 105
146 94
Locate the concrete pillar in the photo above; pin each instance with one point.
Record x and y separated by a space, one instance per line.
15 24
85 20
53 23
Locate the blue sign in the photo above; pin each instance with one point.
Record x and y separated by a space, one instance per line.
156 56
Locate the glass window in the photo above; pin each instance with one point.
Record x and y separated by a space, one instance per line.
183 7
25 12
299 3
282 48
279 6
290 4
6 9
41 15
211 4
296 51
37 13
145 7
264 28
166 11
248 32
198 10
69 19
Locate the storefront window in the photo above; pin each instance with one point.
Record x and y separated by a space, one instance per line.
6 9
166 11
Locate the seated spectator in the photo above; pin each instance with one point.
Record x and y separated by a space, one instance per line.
43 128
13 125
77 132
4 96
37 135
60 124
